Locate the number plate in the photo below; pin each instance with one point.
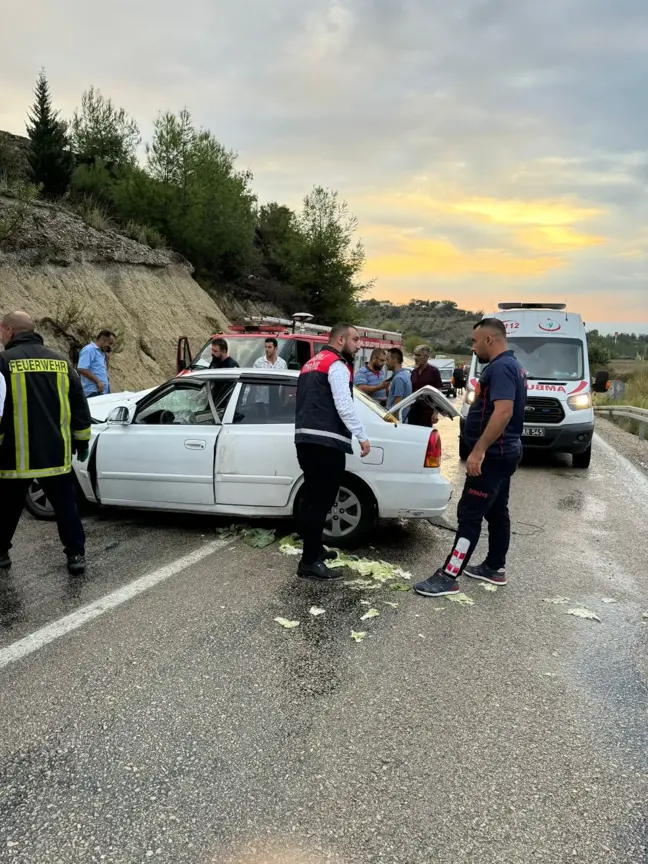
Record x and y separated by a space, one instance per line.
533 432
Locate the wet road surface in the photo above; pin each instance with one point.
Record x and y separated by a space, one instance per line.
186 726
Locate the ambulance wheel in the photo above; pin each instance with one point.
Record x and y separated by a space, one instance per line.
582 460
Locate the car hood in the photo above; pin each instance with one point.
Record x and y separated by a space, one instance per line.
101 406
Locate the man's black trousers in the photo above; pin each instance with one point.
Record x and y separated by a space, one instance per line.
323 469
484 497
61 493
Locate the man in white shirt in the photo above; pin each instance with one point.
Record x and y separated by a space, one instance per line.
271 359
326 421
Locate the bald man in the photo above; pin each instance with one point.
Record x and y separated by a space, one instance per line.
45 420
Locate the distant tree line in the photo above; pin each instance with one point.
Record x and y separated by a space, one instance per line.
441 323
188 193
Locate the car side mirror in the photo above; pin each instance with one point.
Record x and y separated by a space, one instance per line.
120 416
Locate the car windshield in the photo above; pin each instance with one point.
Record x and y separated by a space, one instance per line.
244 349
547 359
446 374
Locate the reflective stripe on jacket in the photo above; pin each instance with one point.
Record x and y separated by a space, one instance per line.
46 415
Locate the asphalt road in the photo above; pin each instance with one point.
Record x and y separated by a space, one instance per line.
185 725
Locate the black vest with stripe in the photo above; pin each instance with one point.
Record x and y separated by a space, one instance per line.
316 418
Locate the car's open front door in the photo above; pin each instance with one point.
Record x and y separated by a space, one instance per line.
184 357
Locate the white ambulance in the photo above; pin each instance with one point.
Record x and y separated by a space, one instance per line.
551 346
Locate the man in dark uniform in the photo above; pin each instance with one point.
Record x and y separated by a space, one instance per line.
45 420
326 421
493 432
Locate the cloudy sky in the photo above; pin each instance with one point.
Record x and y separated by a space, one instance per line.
491 149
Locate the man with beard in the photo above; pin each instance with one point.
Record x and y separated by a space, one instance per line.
493 432
326 421
370 378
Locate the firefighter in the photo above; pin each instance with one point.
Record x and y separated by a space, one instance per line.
45 420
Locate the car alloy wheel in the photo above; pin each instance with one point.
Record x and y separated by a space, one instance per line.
345 515
37 502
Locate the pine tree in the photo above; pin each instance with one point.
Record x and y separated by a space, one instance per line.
50 157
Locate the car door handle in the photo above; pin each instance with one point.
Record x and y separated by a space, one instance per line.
195 444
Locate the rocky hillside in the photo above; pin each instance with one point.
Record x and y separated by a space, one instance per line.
75 280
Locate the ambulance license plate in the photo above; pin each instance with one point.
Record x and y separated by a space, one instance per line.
533 432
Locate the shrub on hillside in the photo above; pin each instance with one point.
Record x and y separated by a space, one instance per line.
144 234
94 216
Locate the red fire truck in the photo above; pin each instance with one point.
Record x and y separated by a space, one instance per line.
298 342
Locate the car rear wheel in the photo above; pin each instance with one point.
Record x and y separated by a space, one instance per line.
37 502
582 460
353 515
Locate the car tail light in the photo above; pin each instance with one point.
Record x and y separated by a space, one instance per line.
433 452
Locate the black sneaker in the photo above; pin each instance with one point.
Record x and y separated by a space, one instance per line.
486 573
438 585
5 561
76 565
318 571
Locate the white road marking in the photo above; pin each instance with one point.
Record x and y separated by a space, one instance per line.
638 478
81 616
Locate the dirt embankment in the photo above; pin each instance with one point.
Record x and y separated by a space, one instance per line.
76 280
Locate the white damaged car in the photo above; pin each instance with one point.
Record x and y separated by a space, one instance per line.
222 442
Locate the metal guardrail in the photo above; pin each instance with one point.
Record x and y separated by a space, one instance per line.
626 412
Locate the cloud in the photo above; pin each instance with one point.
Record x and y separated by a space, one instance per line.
439 259
508 137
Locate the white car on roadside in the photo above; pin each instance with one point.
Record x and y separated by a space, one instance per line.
222 442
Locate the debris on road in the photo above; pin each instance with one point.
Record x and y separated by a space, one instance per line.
608 600
460 597
361 584
257 538
284 622
389 603
584 613
380 571
357 636
557 601
290 545
370 613
315 611
488 587
645 616
400 586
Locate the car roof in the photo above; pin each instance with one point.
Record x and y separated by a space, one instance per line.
237 371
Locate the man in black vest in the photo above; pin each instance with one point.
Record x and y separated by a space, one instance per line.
326 421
